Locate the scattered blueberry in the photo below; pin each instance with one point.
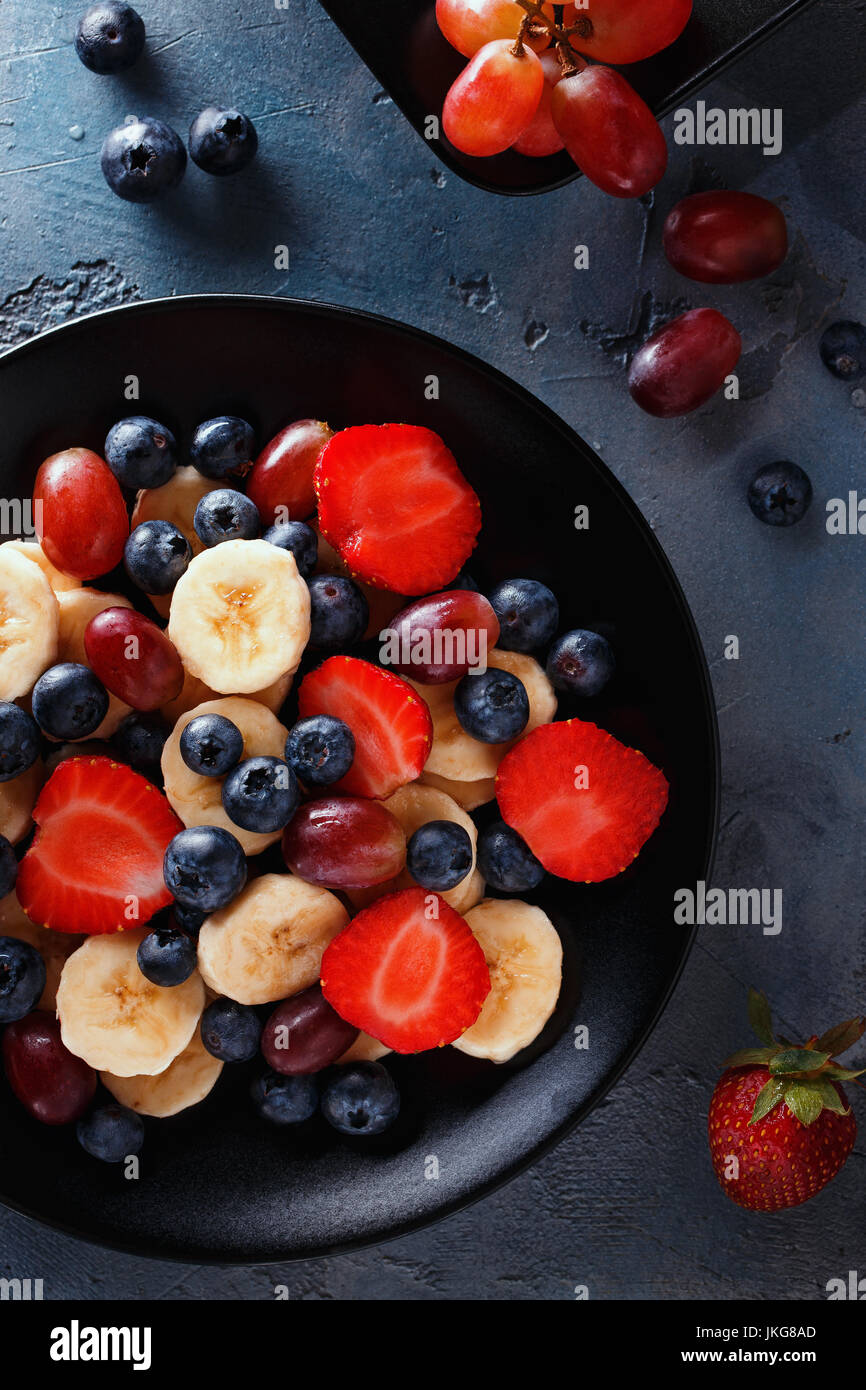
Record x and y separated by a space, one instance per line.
8 867
581 662
528 614
339 612
226 515
109 37
493 706
232 1032
22 978
780 494
463 581
320 750
142 160
843 349
222 140
140 739
300 539
505 861
211 745
166 956
111 1133
285 1100
222 446
261 795
69 701
439 855
205 867
361 1099
156 555
189 919
19 741
141 452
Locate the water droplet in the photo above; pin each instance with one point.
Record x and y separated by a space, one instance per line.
77 132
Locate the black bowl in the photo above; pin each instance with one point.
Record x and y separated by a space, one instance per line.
216 1182
402 45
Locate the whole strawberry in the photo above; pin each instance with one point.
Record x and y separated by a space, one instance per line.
780 1126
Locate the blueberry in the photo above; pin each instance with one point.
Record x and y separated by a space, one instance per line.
205 867
463 581
780 494
19 741
339 612
285 1100
320 750
439 855
505 861
8 867
69 701
528 614
109 37
189 919
362 1099
581 662
843 349
111 1133
22 978
493 706
140 739
232 1032
300 539
211 745
166 956
261 795
222 446
142 160
222 140
226 515
156 555
141 452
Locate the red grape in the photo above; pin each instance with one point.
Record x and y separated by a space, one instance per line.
80 515
469 24
133 658
609 131
494 99
282 475
441 637
724 238
344 842
55 1086
541 138
625 31
305 1034
679 368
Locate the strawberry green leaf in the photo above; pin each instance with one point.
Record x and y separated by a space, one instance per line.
843 1036
837 1073
760 1017
751 1057
830 1097
797 1059
768 1097
804 1100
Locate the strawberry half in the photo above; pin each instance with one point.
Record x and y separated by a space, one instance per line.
391 723
583 802
408 971
95 864
394 503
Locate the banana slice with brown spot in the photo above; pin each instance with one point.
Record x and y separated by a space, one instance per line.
29 624
32 550
469 795
77 607
17 799
195 692
186 1081
55 947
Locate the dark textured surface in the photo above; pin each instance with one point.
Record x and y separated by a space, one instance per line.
627 1206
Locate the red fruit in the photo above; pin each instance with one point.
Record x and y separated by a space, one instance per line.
685 363
80 515
441 637
391 724
625 31
395 505
494 99
133 658
725 238
95 864
609 131
305 1034
469 24
583 802
53 1084
541 137
408 971
344 842
281 482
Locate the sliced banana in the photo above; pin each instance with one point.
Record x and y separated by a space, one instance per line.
77 607
240 616
524 956
55 947
195 692
29 624
383 604
17 799
269 943
114 1018
186 1081
363 1049
198 800
413 806
464 759
32 550
176 502
469 795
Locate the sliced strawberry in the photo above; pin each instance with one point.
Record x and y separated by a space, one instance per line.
395 505
408 971
391 723
95 864
583 802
